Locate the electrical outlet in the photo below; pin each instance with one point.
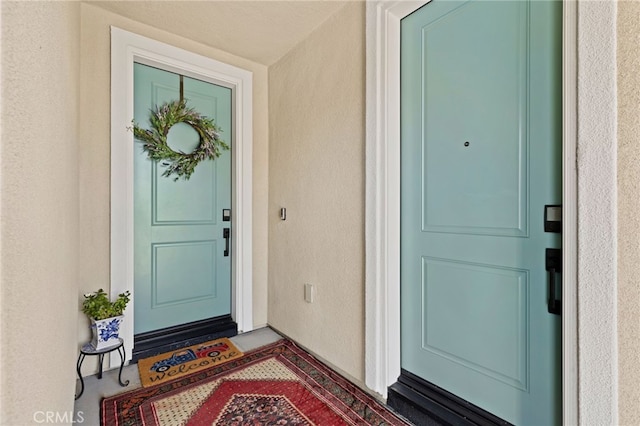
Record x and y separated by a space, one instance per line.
308 293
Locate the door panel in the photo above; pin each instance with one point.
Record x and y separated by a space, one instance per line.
462 295
481 153
181 273
480 106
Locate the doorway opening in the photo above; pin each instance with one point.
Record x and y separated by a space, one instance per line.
383 200
126 49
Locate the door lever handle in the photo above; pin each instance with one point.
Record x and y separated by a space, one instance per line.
226 233
554 305
553 264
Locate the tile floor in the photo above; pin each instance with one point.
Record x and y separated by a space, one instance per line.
88 406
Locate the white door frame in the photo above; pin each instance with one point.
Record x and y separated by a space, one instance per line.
127 47
382 341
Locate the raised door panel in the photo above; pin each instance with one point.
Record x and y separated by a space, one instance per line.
474 124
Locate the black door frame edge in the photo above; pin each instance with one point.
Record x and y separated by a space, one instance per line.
171 338
425 403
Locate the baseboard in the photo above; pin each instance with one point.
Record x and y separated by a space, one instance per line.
172 338
426 404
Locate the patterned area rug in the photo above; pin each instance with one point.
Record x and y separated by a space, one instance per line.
171 365
279 384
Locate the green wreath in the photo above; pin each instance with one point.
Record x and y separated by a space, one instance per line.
155 139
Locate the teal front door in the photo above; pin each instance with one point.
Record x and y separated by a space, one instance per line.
182 271
481 157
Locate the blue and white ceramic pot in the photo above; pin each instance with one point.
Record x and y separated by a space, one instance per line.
106 332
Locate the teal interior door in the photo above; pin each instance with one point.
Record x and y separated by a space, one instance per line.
181 271
481 157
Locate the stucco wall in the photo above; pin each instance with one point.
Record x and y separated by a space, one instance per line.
39 209
628 211
316 171
95 151
597 205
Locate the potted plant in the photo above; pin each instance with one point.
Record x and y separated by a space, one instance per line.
105 317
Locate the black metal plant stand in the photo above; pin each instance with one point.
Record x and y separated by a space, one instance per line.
88 349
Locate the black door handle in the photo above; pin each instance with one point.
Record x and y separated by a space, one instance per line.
553 264
226 233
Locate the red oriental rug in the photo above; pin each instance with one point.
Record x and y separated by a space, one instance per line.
279 384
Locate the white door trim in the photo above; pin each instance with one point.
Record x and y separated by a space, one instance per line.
382 334
127 47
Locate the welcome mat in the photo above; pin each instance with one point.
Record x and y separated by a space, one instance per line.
172 365
279 384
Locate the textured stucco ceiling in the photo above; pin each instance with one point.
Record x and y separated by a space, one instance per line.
262 31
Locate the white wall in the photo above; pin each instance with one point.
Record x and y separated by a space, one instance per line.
316 171
628 208
597 238
39 209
